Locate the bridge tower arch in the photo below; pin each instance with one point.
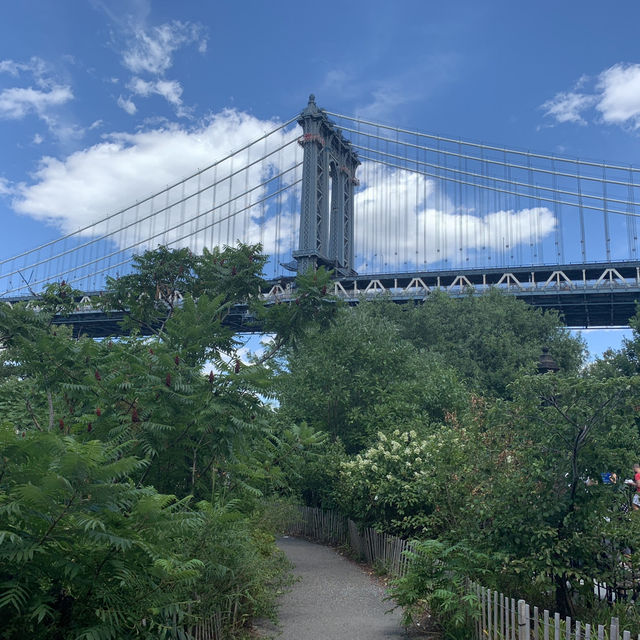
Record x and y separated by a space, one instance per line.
328 179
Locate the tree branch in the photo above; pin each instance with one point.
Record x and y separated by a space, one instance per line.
50 402
33 416
55 522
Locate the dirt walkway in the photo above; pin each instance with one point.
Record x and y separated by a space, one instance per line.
333 599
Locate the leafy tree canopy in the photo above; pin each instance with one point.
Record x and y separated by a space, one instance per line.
359 376
489 340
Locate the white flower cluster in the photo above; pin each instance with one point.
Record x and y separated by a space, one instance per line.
393 456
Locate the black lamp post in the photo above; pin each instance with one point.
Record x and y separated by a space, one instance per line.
546 364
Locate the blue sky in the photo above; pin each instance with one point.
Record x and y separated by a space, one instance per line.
82 84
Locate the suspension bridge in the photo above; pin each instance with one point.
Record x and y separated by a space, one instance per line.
391 211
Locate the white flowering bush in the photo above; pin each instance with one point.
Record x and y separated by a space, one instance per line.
407 483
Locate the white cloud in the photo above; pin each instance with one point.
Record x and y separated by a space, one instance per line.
45 100
152 49
127 105
38 139
36 67
614 97
17 102
5 187
384 102
11 67
170 90
619 88
401 216
141 87
568 107
88 185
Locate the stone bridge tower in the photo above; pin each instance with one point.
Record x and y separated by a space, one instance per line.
328 179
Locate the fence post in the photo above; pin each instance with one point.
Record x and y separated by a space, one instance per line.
614 629
483 609
546 624
489 627
522 621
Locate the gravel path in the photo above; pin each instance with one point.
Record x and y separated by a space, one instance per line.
333 599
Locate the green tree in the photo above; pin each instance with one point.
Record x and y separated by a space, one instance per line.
490 339
107 443
359 376
84 552
624 361
537 503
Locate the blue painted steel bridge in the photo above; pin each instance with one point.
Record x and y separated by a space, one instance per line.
393 212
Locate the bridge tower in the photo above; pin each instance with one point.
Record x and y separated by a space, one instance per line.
328 179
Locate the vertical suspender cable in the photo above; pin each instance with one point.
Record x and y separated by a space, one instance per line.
397 216
558 213
506 209
167 216
247 197
197 243
425 212
445 226
607 237
583 245
137 226
459 213
539 206
438 199
214 187
387 239
229 177
536 219
500 232
263 209
416 211
631 221
183 205
468 241
153 219
276 243
486 239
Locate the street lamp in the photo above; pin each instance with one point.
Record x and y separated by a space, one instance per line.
546 364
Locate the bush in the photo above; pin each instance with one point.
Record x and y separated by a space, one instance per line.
407 484
437 581
87 554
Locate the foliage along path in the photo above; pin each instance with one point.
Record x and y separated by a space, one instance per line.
333 599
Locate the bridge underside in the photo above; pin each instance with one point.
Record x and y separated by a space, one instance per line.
597 295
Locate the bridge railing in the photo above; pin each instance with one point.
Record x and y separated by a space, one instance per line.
500 617
557 280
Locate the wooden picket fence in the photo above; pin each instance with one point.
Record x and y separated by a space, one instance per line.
210 629
216 626
504 618
380 549
501 617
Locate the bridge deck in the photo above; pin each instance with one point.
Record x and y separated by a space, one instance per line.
596 295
